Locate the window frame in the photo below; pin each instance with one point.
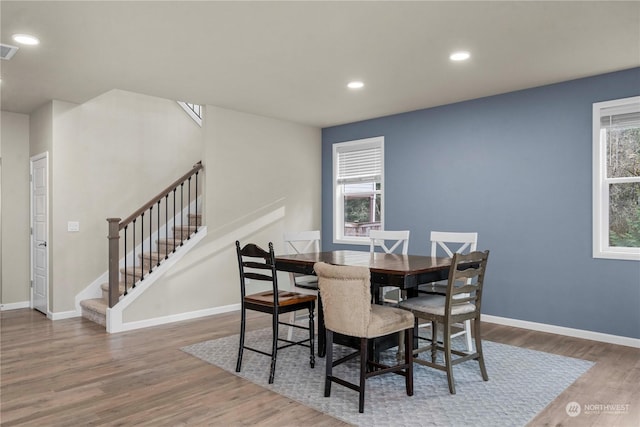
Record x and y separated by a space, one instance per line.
338 199
601 182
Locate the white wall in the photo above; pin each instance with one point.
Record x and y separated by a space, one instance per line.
262 178
109 156
15 245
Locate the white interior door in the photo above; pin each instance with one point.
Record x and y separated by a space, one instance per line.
39 244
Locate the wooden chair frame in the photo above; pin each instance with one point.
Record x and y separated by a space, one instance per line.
257 264
464 269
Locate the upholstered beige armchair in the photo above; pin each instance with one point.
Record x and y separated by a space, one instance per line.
346 297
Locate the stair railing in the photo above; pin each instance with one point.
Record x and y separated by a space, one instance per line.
146 222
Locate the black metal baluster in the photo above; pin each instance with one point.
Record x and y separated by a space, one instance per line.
158 234
174 219
181 209
166 226
141 245
125 260
150 232
133 280
196 214
189 209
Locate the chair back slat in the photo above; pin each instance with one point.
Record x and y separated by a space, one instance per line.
300 242
254 251
471 277
257 276
389 241
257 265
446 240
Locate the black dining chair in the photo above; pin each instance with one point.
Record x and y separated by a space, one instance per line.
258 265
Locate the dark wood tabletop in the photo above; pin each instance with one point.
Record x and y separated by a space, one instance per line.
404 271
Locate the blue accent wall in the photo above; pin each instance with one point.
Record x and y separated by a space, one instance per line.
517 169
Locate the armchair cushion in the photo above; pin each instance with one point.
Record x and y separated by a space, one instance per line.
387 320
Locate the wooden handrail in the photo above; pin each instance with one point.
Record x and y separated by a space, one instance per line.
153 201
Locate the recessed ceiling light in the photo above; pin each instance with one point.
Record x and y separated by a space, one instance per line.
459 56
355 85
26 39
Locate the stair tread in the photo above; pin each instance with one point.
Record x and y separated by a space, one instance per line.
169 240
185 226
152 254
168 244
105 287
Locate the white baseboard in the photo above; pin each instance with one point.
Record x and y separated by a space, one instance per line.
64 315
15 305
176 318
561 330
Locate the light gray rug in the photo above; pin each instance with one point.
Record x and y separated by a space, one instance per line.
521 383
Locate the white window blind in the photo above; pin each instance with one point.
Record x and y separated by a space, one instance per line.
614 120
360 165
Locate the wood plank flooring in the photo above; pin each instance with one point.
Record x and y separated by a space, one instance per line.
72 373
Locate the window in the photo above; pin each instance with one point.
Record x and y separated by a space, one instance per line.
616 179
193 110
358 189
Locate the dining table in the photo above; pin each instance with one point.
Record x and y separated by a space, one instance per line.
406 272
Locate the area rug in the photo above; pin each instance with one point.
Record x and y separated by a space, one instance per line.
521 383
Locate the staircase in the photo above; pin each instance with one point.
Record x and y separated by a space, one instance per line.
95 309
173 214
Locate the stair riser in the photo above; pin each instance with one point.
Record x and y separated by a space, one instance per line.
105 293
147 261
132 278
94 317
182 233
195 219
168 247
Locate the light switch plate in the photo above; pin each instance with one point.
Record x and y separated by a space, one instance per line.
73 226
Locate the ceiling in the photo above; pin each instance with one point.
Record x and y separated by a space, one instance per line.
292 60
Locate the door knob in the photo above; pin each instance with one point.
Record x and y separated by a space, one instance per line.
43 244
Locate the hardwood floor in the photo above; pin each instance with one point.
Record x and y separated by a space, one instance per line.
72 373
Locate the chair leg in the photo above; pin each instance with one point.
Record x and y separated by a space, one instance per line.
476 332
401 347
447 357
364 346
312 334
408 359
329 363
434 340
243 320
467 333
274 349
